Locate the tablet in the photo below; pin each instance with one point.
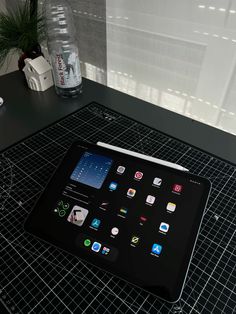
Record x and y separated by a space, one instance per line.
133 218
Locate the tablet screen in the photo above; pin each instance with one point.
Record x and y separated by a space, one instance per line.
133 218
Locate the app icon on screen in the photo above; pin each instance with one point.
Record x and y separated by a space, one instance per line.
150 199
131 192
113 186
123 211
114 231
164 227
87 242
120 169
105 250
157 181
177 188
104 205
135 240
138 175
95 223
77 215
142 219
156 249
96 246
171 207
62 208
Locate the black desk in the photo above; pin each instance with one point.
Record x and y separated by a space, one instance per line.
25 112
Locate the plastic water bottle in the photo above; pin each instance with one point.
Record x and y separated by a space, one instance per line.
63 48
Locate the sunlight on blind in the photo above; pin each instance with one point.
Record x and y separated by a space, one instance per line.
180 55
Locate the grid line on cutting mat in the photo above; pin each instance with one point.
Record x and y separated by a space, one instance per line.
38 278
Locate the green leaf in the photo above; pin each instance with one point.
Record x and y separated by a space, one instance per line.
20 30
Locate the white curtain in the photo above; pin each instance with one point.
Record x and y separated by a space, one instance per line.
180 55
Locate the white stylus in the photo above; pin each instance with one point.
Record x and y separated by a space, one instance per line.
149 158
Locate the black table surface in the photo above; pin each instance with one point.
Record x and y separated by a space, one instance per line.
25 112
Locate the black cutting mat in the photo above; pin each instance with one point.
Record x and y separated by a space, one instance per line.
37 278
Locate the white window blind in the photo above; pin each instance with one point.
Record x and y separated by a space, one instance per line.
180 55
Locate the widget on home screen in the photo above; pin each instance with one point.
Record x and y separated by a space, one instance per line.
77 215
92 169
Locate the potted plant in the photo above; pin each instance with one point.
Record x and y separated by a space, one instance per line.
21 31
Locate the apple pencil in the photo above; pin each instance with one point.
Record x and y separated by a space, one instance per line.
149 158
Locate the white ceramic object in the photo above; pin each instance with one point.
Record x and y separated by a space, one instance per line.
38 73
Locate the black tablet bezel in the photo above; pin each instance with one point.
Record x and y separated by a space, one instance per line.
30 224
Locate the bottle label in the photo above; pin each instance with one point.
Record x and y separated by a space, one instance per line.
66 69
